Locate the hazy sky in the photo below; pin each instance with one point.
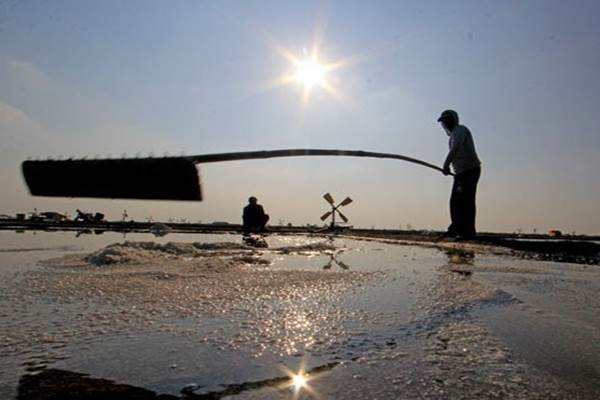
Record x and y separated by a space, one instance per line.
112 77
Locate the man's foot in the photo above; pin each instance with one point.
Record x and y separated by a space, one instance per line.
451 239
465 238
447 237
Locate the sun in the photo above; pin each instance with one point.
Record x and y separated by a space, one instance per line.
310 73
310 70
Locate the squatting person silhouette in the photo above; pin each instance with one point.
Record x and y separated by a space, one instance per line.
254 217
467 170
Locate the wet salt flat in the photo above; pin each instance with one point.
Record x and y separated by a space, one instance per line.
204 313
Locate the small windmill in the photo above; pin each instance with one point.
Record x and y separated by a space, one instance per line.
335 209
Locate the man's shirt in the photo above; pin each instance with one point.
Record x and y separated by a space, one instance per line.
462 154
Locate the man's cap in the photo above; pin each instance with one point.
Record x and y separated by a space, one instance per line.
449 114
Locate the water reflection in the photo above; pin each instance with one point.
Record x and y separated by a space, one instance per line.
298 311
299 380
160 230
333 256
299 331
83 232
334 260
460 256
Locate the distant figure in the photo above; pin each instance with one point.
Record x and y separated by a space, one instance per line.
254 217
467 169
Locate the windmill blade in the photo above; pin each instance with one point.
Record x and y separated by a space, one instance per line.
346 201
342 264
329 199
343 216
325 216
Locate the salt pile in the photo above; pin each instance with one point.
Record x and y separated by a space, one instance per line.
140 252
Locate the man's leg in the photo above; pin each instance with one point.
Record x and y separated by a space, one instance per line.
468 206
247 227
455 200
264 221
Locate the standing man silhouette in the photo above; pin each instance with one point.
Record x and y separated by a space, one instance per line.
467 170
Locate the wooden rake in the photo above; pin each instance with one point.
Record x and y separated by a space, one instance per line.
153 178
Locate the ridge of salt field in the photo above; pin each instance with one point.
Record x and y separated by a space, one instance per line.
203 316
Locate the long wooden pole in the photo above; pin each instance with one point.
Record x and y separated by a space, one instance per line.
251 155
166 178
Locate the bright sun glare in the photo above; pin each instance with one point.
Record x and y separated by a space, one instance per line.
310 73
299 381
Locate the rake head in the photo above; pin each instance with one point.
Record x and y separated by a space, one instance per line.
141 178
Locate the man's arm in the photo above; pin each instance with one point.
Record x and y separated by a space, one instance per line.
455 142
449 158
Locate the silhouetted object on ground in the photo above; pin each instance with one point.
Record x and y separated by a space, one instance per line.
467 170
48 216
335 209
54 384
255 241
254 217
168 178
89 217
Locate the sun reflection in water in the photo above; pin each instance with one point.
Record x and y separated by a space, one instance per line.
299 381
299 331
